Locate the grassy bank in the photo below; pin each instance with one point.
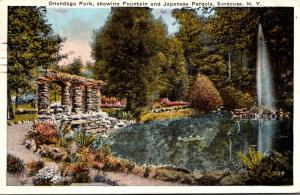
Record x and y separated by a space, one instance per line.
168 114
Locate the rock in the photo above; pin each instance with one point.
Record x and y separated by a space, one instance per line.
44 116
151 171
217 174
84 116
197 175
233 179
65 117
78 122
139 170
60 110
75 117
207 180
187 179
58 117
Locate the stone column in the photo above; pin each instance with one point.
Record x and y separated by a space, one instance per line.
65 96
89 100
77 98
96 98
43 99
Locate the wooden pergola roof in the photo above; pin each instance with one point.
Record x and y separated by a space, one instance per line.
52 75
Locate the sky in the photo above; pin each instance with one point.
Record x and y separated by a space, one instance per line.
77 26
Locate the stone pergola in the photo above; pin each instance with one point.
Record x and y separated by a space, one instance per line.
78 94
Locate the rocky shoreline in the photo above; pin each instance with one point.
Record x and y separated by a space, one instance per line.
96 122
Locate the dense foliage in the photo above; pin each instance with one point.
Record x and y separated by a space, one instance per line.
203 95
34 166
14 164
234 98
75 67
141 62
31 45
271 169
43 132
134 55
235 31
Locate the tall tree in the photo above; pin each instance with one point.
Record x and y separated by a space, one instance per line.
234 29
193 37
175 74
31 45
278 26
128 50
75 67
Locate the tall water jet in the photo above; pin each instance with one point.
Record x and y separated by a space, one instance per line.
265 98
264 83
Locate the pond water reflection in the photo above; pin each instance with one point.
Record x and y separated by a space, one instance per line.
208 142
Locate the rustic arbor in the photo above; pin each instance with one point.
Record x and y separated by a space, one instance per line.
78 94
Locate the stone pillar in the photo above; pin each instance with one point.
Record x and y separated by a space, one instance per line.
65 96
77 98
96 98
43 99
89 98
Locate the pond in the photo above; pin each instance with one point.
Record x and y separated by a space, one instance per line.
208 142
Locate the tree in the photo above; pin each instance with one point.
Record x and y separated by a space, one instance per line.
234 29
32 45
176 78
88 70
128 51
193 37
75 67
278 25
206 45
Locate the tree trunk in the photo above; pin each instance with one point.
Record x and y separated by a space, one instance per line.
242 52
229 66
17 100
11 113
128 106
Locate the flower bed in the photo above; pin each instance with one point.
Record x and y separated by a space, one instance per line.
112 102
165 102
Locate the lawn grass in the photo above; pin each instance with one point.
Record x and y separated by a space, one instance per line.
23 106
168 114
23 117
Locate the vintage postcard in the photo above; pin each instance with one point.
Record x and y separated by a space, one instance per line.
149 96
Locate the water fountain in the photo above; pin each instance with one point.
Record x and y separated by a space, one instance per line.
265 98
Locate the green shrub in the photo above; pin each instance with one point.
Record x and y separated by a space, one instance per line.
119 113
272 169
83 138
203 95
251 160
14 164
234 98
